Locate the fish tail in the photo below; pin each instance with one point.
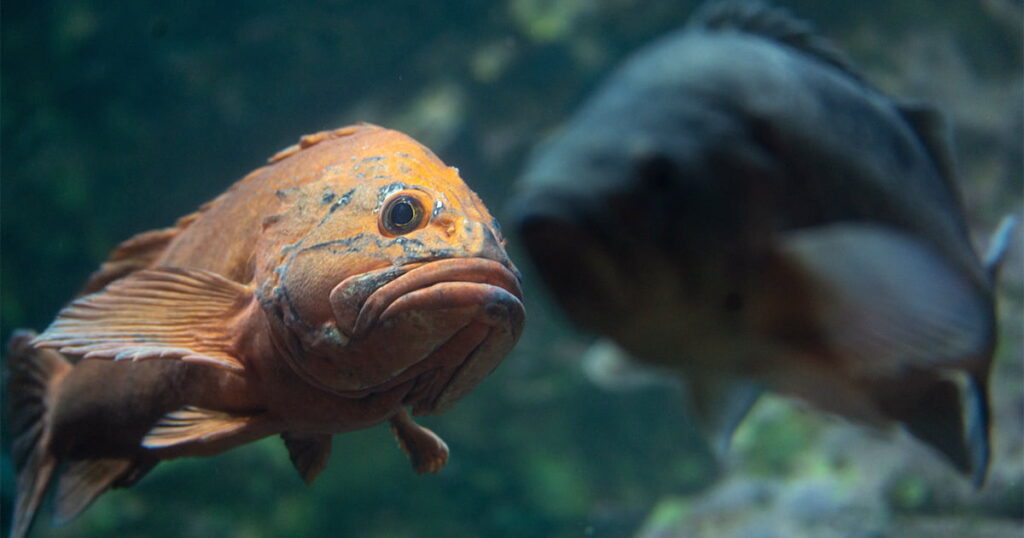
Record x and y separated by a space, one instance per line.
953 418
35 375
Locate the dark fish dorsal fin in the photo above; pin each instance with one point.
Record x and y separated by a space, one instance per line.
776 24
933 131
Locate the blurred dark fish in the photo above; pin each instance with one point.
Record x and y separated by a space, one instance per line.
354 276
738 204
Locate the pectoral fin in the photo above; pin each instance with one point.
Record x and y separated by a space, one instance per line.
427 452
165 313
309 453
196 425
884 300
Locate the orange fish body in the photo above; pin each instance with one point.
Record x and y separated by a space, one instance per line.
353 276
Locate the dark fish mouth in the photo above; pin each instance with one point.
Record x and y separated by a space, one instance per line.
479 317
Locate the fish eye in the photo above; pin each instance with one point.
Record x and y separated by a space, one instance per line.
401 215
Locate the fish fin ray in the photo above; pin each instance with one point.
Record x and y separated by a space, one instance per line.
133 254
886 301
82 481
165 313
427 452
774 23
309 453
34 377
195 425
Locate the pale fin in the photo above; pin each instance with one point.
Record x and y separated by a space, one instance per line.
308 452
195 425
136 253
998 245
84 480
774 23
34 376
884 300
427 452
165 313
720 406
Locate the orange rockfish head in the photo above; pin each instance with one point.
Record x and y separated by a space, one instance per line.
385 271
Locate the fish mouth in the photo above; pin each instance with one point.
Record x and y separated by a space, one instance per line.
445 324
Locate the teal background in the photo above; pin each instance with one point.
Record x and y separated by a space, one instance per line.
119 117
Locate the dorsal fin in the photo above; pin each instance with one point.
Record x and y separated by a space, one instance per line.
774 23
935 135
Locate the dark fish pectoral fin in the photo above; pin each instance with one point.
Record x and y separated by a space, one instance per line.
165 313
427 452
82 481
309 453
34 374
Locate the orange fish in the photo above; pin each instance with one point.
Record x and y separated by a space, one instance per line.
354 276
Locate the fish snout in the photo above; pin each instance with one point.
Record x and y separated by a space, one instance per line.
446 323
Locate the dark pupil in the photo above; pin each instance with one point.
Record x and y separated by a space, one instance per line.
402 213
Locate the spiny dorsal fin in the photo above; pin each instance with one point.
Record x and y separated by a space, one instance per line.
776 24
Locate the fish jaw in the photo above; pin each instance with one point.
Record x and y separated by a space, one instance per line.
435 328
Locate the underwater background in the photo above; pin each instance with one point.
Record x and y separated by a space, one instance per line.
120 117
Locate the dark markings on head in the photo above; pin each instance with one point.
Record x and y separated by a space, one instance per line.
282 195
347 242
328 196
388 190
372 159
290 317
343 200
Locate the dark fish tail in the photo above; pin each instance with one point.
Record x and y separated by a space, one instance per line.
34 377
951 417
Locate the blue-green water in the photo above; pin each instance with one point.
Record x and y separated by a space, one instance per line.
120 118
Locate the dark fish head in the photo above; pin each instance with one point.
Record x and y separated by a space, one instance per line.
619 222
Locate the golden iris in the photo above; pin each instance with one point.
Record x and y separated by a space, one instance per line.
402 214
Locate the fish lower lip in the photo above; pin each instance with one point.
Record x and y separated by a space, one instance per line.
456 281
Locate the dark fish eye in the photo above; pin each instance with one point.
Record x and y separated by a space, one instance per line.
401 215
